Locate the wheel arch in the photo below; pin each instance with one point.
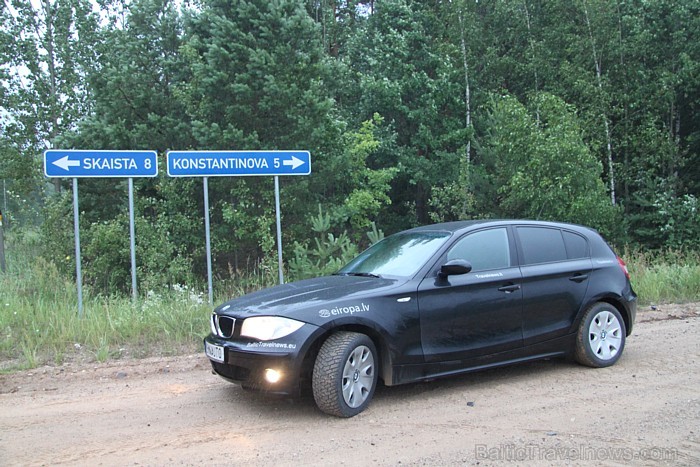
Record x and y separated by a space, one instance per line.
612 301
385 366
623 312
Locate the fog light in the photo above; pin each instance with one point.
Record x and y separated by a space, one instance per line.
272 376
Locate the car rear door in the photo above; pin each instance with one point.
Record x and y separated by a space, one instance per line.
474 314
555 266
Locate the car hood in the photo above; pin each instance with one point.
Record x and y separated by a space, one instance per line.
295 299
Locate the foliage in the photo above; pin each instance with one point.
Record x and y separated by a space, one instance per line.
597 101
48 48
39 322
367 189
401 72
676 221
544 168
107 262
329 252
375 235
22 194
668 276
327 255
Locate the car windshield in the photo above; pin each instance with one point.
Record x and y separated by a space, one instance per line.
398 255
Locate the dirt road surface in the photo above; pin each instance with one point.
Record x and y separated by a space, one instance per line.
173 411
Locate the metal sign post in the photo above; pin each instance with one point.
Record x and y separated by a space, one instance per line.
207 234
132 241
78 261
279 229
101 164
239 164
2 245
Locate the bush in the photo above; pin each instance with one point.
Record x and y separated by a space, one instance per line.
328 255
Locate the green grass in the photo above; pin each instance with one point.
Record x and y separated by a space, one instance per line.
39 322
665 277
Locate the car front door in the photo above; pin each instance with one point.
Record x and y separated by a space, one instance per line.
478 313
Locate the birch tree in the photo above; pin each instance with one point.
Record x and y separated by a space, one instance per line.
606 122
46 67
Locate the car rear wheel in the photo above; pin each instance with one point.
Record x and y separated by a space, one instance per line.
345 374
601 336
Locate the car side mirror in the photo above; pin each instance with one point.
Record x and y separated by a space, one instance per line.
455 267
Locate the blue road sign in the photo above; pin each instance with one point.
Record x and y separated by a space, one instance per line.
238 163
100 164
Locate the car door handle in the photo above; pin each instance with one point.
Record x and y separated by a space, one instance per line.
578 277
509 288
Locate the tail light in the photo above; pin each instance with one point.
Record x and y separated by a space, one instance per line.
623 265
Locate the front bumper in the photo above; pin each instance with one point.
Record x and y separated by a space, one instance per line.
246 362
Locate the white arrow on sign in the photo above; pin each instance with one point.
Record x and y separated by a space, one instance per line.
64 163
294 162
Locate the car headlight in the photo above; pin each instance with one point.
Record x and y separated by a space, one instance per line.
266 328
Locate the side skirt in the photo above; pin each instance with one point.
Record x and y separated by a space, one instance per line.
559 347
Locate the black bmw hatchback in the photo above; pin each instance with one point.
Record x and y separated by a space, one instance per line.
429 302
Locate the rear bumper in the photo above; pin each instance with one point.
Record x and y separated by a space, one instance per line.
631 306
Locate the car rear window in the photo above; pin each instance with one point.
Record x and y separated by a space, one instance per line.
576 245
542 245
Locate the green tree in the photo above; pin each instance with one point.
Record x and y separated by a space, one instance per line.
399 59
257 83
135 106
659 124
48 51
366 189
544 168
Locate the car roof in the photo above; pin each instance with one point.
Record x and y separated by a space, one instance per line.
463 226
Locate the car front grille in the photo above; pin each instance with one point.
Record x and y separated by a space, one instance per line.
222 326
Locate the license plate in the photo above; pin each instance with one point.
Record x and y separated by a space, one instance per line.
215 352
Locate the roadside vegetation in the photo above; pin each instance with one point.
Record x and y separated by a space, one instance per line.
413 112
665 277
39 322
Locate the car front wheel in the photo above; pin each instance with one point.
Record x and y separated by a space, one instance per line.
601 336
345 374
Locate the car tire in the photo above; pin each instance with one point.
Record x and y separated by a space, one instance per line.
601 336
345 374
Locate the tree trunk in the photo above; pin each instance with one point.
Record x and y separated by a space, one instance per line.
51 59
532 50
467 90
608 139
625 158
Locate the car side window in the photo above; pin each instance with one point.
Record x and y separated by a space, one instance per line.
486 249
542 245
576 245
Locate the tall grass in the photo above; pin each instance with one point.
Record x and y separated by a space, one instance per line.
664 277
39 322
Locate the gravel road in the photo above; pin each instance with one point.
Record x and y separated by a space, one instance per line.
172 411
